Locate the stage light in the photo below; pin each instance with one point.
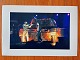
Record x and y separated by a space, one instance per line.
68 14
53 44
57 14
36 15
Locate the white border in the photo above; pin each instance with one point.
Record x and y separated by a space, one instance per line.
6 51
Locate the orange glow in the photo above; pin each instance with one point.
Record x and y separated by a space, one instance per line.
49 36
22 36
53 44
59 32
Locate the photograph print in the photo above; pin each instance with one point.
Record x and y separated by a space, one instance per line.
32 30
39 30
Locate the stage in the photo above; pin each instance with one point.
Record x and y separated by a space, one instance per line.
62 44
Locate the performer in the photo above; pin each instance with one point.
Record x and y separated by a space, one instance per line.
25 32
39 32
38 23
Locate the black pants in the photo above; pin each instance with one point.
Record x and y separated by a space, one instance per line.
39 36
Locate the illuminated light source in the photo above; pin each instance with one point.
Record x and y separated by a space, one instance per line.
53 44
36 15
22 35
68 14
57 14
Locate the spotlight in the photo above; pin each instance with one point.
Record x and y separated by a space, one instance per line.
57 14
68 14
36 15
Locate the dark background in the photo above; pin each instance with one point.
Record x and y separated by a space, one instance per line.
17 19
